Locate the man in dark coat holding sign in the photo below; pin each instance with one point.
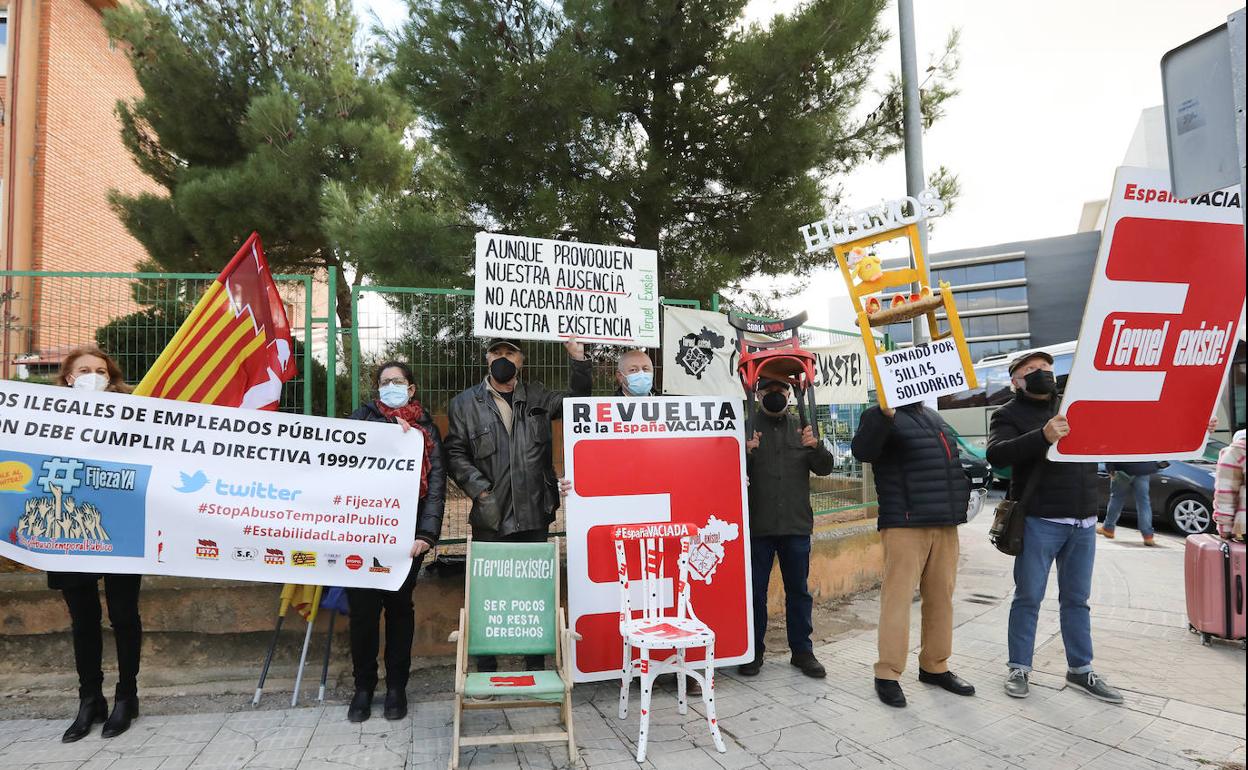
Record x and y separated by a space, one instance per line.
780 456
498 449
923 496
1060 527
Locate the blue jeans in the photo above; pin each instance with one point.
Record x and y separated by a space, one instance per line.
1119 486
794 554
1074 548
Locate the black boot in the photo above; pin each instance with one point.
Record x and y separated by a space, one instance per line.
890 693
751 668
396 703
125 711
949 681
361 707
90 710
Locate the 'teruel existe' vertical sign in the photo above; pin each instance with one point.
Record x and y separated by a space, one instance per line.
540 289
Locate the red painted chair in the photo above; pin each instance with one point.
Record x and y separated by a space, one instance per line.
660 627
783 360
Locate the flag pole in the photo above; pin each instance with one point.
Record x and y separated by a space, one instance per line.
329 641
307 640
283 606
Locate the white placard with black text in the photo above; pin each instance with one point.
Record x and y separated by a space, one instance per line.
540 289
921 373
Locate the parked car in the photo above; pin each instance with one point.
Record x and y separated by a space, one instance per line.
1181 494
977 470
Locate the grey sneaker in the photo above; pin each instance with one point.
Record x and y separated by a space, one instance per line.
1095 686
1016 685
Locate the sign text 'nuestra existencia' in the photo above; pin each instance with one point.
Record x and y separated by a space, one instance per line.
540 289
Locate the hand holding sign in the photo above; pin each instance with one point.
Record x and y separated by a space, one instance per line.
753 442
808 438
1056 429
576 350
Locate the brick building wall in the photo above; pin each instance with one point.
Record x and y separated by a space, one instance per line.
79 158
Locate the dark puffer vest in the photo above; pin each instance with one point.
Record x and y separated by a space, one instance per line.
918 477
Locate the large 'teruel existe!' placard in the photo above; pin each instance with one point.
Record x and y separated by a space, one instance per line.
539 289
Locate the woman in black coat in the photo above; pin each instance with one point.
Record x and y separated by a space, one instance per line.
90 368
396 402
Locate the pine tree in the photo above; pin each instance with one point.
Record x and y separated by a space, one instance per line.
662 124
259 115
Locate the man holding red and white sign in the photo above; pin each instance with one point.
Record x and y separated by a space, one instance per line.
1159 331
635 460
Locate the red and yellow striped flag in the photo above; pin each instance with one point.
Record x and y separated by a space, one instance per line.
235 349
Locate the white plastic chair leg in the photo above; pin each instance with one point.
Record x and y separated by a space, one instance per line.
682 701
708 699
647 685
626 679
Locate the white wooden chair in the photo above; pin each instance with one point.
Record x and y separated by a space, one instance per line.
657 627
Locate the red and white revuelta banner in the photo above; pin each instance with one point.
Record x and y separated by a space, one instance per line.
657 460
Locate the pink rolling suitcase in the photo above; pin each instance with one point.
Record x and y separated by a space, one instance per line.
1213 571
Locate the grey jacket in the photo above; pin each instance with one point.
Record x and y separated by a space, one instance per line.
779 471
517 469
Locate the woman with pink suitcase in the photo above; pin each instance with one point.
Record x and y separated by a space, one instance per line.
1214 566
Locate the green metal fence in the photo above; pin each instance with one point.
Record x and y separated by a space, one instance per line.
132 316
44 314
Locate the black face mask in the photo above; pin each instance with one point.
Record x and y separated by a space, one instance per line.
775 402
1040 382
502 370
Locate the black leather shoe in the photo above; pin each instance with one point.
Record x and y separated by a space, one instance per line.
890 693
751 668
125 711
808 664
90 711
361 707
949 681
396 704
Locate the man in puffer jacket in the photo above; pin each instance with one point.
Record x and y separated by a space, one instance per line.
1060 526
923 495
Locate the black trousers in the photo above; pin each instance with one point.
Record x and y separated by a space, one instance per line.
122 594
367 604
487 663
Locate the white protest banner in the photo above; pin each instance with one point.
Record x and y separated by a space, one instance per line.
114 483
661 459
539 289
1159 330
841 373
921 373
699 354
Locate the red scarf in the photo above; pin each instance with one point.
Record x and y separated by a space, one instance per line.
413 413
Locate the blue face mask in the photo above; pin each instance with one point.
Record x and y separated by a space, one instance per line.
393 396
639 383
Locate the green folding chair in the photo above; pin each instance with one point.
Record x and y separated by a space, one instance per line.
511 598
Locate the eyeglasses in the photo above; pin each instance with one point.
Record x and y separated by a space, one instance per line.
393 381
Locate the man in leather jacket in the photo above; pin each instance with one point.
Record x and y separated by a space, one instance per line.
498 449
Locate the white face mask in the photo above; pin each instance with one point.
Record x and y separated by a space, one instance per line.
90 381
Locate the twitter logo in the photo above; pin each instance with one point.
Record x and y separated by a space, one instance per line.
192 483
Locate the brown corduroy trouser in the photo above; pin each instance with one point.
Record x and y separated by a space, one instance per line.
926 557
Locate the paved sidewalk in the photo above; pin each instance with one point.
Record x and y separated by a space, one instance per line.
1185 703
